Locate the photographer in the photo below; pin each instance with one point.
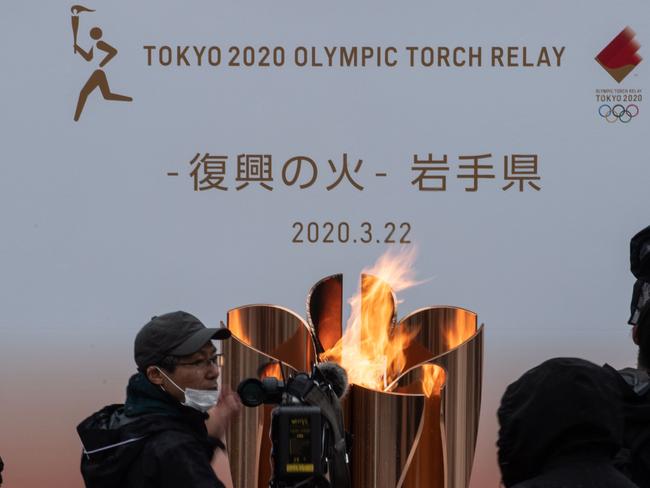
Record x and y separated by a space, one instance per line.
170 431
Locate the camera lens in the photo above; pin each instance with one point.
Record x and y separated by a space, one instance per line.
251 392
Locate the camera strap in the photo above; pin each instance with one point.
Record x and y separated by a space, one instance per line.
330 408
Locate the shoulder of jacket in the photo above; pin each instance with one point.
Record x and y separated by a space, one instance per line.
637 379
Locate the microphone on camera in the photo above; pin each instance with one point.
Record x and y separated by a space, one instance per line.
335 376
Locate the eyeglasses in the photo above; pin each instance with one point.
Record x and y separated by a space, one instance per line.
215 360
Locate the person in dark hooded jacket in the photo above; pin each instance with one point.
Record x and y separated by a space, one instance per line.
634 383
170 431
560 427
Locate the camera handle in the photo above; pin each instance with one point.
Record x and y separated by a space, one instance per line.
313 482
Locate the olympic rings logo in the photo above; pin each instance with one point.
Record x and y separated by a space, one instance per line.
618 112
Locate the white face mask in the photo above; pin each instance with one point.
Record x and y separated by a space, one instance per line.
201 400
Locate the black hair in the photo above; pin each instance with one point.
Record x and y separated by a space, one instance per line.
168 363
643 337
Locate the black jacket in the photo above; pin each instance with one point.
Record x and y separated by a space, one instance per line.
151 441
561 426
634 458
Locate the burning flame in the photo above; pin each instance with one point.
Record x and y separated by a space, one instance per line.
432 380
371 350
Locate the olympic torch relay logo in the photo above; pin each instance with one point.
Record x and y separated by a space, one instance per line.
98 78
620 56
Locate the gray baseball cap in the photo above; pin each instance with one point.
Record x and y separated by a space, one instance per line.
173 334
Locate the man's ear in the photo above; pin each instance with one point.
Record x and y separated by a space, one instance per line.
154 375
635 334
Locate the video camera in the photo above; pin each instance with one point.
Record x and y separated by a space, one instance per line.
307 431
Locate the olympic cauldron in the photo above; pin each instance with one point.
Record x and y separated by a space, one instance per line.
418 430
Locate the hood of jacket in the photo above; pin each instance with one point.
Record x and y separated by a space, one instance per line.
563 410
114 436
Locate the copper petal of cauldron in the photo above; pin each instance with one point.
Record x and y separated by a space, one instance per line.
402 437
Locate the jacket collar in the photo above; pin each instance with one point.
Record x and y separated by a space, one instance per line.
144 398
